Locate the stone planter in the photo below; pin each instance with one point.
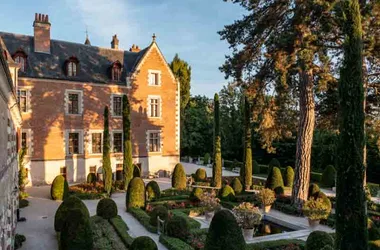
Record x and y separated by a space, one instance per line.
209 215
313 223
267 209
248 234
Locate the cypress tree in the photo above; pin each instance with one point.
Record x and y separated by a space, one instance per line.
127 143
247 178
351 217
217 166
107 170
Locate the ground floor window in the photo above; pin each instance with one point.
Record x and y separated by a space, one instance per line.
154 141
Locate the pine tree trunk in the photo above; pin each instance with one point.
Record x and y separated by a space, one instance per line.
217 166
304 139
247 178
351 216
127 143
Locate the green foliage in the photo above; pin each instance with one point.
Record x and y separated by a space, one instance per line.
237 186
274 179
256 168
143 243
374 245
122 230
23 203
206 158
289 177
158 211
143 218
196 194
193 224
179 177
19 239
319 239
59 189
106 208
277 244
274 163
224 233
373 231
313 190
279 190
178 227
106 234
172 243
91 178
135 197
22 173
136 171
315 177
153 191
200 175
107 169
127 143
227 193
217 166
328 176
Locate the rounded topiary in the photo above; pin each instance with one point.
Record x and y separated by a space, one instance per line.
196 194
158 211
313 190
206 158
152 191
274 179
76 231
227 193
106 208
279 190
255 167
224 233
319 239
136 171
200 175
91 178
143 243
274 163
179 177
178 227
71 202
373 231
288 176
328 176
135 197
59 189
237 186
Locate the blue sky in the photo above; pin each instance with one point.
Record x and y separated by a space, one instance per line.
186 27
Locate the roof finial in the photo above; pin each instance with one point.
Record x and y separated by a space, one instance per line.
154 37
87 42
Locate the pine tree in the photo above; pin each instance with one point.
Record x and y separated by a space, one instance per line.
127 143
217 166
107 169
247 145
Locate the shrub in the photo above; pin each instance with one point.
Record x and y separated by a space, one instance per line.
227 193
59 188
373 231
72 202
158 211
136 193
237 186
206 158
178 227
328 248
313 190
76 231
143 243
224 233
279 191
179 177
316 209
316 177
328 176
106 208
266 197
174 243
91 178
136 171
19 239
274 179
319 239
255 168
374 245
200 175
153 191
23 203
122 230
196 194
289 176
274 163
143 218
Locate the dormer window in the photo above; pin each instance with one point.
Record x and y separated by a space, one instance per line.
72 66
116 71
20 58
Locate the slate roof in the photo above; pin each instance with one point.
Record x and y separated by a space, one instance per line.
94 62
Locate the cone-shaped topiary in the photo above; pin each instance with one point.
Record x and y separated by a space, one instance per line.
136 171
107 169
227 193
274 179
76 231
127 143
217 154
196 194
319 239
152 191
313 190
106 208
59 189
91 178
274 163
71 202
328 176
178 227
135 197
143 243
237 186
255 167
179 177
206 158
224 233
288 176
200 175
158 211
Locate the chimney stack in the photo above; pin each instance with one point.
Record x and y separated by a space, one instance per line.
134 48
41 33
115 42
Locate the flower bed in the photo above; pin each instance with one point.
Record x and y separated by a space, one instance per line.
86 191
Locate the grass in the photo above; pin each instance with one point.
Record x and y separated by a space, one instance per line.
105 236
122 230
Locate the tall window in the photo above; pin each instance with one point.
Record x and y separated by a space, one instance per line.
116 72
73 143
71 69
154 107
73 104
24 140
117 142
96 142
23 99
154 142
21 61
117 105
154 78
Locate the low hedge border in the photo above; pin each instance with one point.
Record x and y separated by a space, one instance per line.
173 198
121 229
174 243
187 211
274 245
229 204
163 202
143 218
193 224
89 196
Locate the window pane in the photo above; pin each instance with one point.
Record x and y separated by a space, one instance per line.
70 69
117 142
117 106
154 142
24 141
73 104
74 143
154 107
97 143
22 99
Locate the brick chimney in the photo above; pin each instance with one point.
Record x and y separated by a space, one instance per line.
115 42
134 48
41 33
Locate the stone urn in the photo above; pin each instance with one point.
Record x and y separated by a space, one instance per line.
313 223
267 209
248 233
209 215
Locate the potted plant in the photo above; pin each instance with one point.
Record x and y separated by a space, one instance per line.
315 210
248 217
267 198
211 203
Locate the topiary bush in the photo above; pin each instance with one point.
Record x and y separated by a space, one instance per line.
143 243
237 186
136 171
274 179
76 231
319 239
91 178
200 175
135 197
59 189
279 190
274 163
227 193
373 231
178 227
374 245
206 158
328 176
224 233
313 190
288 176
160 211
327 248
106 208
179 177
71 202
196 194
255 167
153 191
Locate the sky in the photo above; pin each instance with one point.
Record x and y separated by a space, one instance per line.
186 27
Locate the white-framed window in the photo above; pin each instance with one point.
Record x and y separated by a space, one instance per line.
74 102
71 68
23 99
96 142
116 105
117 142
154 77
154 106
74 142
154 141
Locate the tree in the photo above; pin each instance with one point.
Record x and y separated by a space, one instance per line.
107 170
351 217
247 145
22 174
217 166
127 143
